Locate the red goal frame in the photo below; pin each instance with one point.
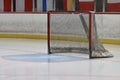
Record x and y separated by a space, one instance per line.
70 12
90 28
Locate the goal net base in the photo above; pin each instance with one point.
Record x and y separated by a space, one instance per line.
101 55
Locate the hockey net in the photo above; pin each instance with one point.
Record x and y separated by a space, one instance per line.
74 32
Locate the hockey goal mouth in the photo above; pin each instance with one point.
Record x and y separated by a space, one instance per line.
75 33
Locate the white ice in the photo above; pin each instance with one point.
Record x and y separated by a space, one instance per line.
84 69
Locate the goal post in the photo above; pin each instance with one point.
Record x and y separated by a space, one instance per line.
74 32
96 48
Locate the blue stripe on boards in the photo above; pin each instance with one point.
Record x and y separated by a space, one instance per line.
44 5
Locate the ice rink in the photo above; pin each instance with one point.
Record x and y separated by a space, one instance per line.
80 69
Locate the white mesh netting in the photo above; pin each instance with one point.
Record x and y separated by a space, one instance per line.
69 32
